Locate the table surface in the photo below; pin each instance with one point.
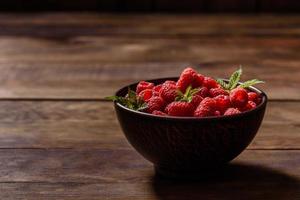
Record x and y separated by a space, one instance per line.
59 138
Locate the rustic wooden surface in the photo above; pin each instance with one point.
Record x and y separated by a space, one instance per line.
59 139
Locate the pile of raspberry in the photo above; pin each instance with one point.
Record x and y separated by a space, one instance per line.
207 99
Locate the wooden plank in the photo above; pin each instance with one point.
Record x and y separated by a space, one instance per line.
165 41
80 78
65 25
59 124
101 174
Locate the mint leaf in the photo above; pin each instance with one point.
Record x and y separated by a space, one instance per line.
112 98
188 95
234 79
250 83
131 101
223 84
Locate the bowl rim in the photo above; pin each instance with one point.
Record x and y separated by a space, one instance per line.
258 107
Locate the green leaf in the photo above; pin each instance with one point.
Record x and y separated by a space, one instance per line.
112 98
194 91
223 84
187 91
142 107
234 79
188 95
131 101
250 83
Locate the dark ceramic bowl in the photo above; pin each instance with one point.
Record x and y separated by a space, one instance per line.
185 146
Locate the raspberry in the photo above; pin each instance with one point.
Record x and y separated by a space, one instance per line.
186 78
232 111
202 111
155 94
217 113
239 97
158 112
252 96
250 105
146 94
222 103
168 91
198 80
210 82
196 101
209 102
170 82
155 103
206 108
203 92
213 92
157 88
179 108
143 85
258 100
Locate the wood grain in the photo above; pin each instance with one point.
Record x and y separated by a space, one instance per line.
92 79
57 141
98 174
50 25
76 124
91 56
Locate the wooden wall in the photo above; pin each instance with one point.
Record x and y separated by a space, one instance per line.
154 5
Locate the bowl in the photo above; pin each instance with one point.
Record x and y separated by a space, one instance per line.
183 147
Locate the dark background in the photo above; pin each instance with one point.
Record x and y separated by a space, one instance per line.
205 6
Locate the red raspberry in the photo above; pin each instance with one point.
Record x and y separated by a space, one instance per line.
232 111
252 96
179 108
186 78
258 100
157 88
198 80
158 112
217 113
143 85
210 82
209 102
146 94
170 82
213 92
222 103
239 97
206 108
168 91
203 92
155 103
196 101
154 93
250 105
202 111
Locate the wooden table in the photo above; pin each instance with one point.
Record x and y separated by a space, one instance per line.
60 140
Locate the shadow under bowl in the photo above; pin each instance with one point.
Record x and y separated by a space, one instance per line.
185 147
